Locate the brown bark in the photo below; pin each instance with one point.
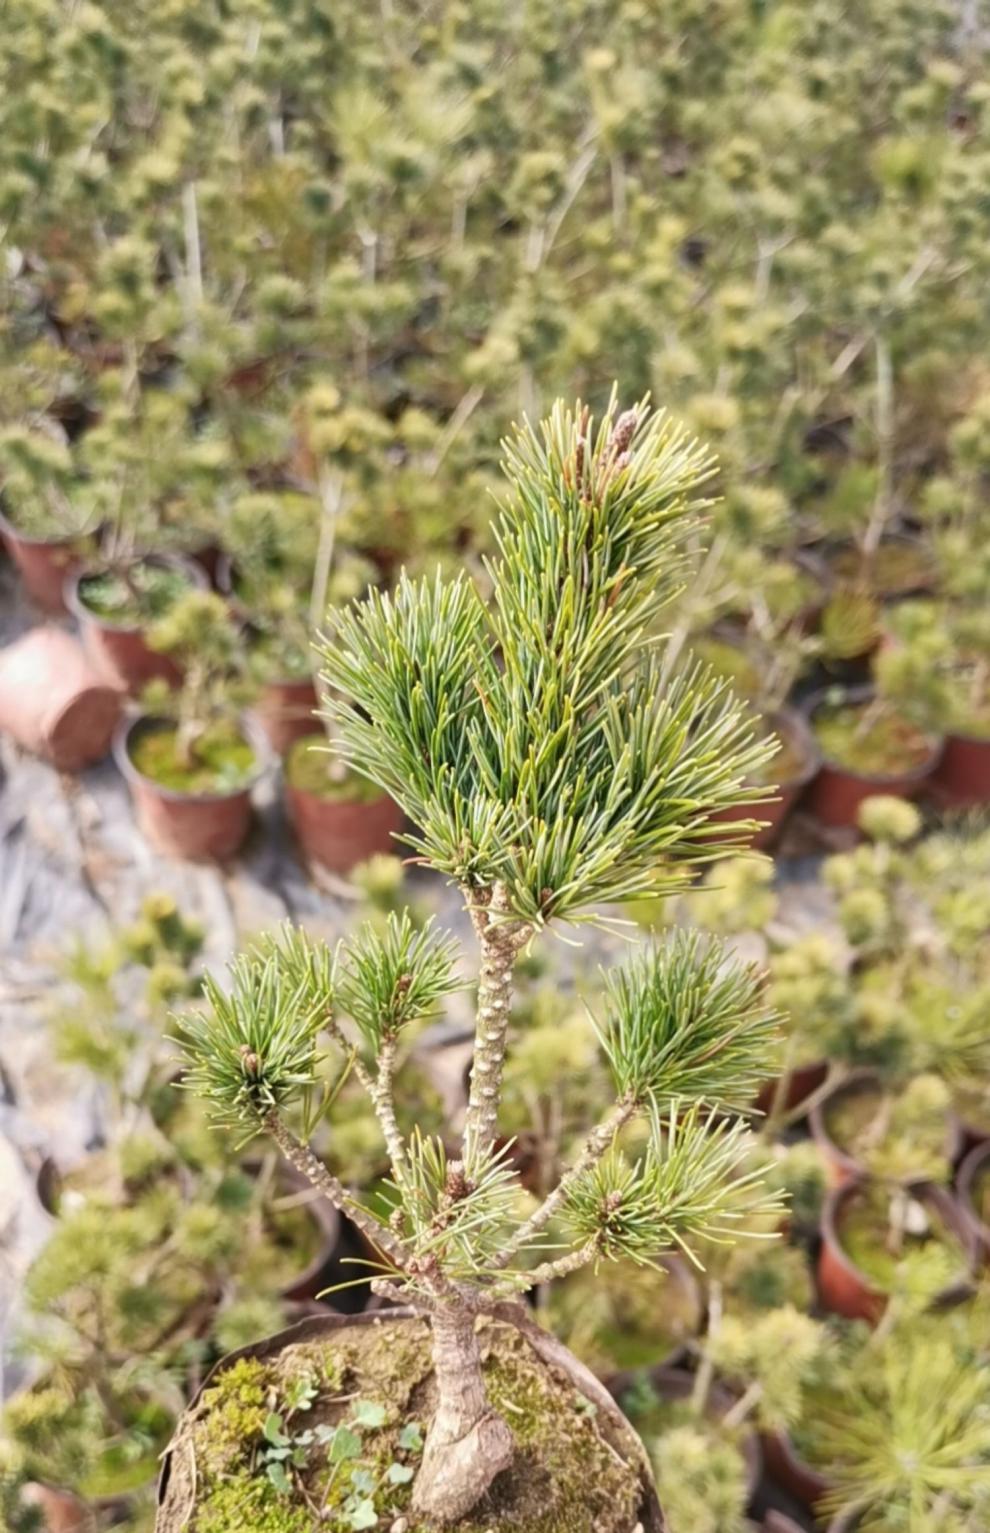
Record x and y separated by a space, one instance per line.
468 1443
501 940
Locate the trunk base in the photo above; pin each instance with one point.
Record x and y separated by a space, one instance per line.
454 1476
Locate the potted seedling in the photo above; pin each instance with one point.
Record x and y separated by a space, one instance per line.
938 659
504 733
191 760
869 746
45 523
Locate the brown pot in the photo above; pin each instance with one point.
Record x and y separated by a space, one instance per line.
198 826
791 1472
123 654
176 1482
794 730
802 1082
843 1288
285 712
842 1166
678 1384
337 834
54 702
837 792
60 1510
976 1162
42 563
962 777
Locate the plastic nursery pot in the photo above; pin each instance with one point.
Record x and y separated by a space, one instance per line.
837 791
123 654
54 702
42 563
196 826
791 1472
844 1288
285 712
337 832
673 1384
802 760
403 1333
865 1084
974 1173
962 777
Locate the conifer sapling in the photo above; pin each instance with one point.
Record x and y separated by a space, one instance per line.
548 771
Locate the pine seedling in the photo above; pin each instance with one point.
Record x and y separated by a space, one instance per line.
549 768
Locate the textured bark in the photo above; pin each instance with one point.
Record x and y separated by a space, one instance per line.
301 1156
384 1103
501 941
468 1443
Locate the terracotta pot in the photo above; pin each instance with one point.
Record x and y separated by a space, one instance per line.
61 1511
43 564
976 1162
837 792
962 777
802 1082
842 1166
792 1472
794 730
197 826
338 834
54 702
174 1483
123 654
844 1289
678 1384
285 712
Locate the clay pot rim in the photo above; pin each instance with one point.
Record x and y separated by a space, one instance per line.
947 1207
552 1352
12 531
337 803
862 693
856 1079
784 1445
198 581
979 740
328 1220
121 755
791 721
973 1162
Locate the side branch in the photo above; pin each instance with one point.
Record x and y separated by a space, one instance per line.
384 1103
596 1144
303 1159
501 940
547 1272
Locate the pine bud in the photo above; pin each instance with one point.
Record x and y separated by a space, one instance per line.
622 432
250 1060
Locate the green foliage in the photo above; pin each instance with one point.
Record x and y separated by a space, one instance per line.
395 976
534 743
687 1022
689 1185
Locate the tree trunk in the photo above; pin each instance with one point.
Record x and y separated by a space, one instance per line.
468 1443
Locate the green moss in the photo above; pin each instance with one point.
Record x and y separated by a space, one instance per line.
146 594
876 743
567 1477
223 761
310 767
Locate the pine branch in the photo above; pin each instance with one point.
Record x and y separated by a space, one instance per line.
501 941
310 1166
548 1272
598 1142
384 1104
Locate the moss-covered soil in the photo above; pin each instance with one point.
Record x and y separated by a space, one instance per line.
873 1240
877 743
568 1476
310 767
148 592
222 760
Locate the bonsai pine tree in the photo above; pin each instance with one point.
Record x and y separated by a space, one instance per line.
548 772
